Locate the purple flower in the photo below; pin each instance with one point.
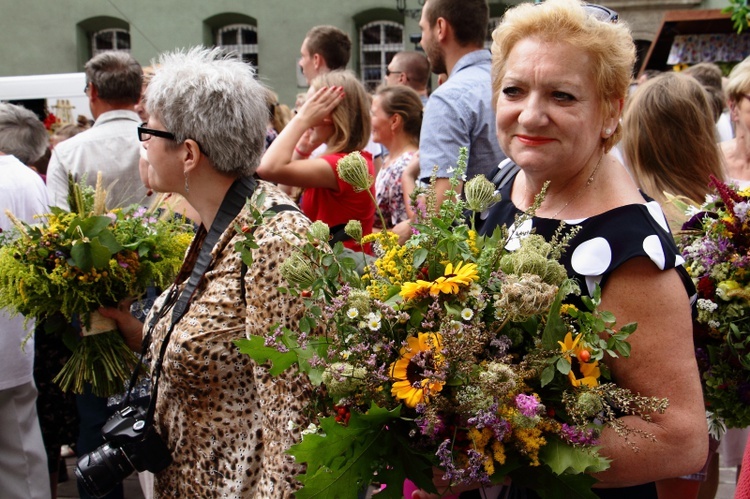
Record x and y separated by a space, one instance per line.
578 436
527 404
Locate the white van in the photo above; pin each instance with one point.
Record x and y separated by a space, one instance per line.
64 93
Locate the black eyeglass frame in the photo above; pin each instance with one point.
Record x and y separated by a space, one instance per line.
388 72
155 133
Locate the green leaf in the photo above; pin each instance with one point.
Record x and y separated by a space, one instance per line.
563 366
90 255
555 329
547 375
565 458
254 346
339 462
629 327
607 316
304 325
90 226
419 257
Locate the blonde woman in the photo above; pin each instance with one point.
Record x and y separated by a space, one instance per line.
337 114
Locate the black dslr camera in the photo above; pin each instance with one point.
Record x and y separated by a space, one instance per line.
130 445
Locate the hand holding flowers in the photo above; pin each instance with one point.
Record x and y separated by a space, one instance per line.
63 269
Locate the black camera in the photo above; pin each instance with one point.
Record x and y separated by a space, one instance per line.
130 445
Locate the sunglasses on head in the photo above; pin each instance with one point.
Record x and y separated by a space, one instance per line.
601 13
598 12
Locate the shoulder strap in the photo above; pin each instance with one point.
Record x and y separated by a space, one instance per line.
506 171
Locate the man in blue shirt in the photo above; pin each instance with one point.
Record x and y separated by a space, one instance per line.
459 113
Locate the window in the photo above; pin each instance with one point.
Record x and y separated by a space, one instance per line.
110 39
241 39
494 23
379 41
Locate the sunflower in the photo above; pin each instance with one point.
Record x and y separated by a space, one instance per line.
420 356
581 373
448 283
452 278
419 289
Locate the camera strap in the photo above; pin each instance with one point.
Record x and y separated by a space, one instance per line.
194 267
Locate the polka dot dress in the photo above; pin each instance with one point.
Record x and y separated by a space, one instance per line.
603 243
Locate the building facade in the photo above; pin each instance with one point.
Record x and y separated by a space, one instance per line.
59 36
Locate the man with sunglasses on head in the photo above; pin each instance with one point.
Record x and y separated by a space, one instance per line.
411 69
111 146
113 86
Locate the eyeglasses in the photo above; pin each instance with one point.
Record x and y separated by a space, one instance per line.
598 12
601 13
388 72
145 134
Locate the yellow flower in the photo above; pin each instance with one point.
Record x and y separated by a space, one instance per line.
449 283
411 385
581 372
410 290
461 275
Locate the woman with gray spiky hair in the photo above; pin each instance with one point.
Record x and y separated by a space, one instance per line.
226 421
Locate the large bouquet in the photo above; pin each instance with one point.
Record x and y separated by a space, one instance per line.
715 242
66 267
449 352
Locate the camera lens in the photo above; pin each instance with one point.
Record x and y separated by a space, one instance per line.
101 470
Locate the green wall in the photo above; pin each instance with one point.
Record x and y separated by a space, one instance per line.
50 36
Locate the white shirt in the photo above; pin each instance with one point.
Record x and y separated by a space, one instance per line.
22 191
111 146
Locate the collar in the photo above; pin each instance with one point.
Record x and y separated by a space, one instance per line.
119 114
471 59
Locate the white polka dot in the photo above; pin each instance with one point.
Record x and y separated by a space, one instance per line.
652 247
515 235
657 214
592 257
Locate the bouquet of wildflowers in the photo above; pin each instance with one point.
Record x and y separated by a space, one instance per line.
715 242
66 267
449 352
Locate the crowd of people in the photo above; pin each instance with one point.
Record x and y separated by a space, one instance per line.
553 103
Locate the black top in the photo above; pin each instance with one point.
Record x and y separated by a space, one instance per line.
603 242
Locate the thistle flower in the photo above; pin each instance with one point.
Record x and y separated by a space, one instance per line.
359 300
524 296
319 230
297 271
533 257
352 169
480 193
589 404
353 229
342 378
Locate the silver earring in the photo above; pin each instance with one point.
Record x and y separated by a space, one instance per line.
187 187
607 132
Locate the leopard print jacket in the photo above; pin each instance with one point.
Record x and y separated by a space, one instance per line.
225 419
